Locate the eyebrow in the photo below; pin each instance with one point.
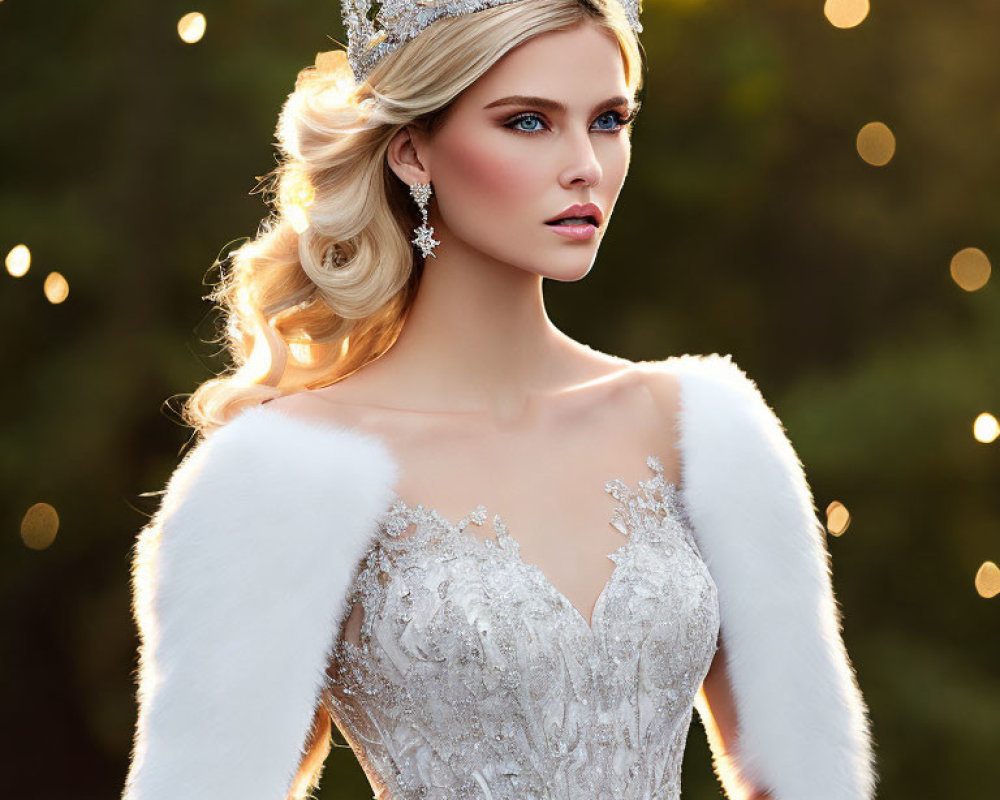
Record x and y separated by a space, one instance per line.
546 103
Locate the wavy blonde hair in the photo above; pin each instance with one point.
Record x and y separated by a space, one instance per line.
291 324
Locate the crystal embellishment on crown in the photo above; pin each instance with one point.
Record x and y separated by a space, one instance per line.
371 37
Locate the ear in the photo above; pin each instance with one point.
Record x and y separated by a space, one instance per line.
404 156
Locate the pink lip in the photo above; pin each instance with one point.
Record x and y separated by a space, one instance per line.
577 210
577 232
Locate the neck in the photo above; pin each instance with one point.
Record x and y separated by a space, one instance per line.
478 339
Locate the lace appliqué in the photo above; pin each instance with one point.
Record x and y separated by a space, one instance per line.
476 678
643 509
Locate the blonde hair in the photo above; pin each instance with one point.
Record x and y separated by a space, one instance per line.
289 323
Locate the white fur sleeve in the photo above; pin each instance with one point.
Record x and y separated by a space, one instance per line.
239 585
803 727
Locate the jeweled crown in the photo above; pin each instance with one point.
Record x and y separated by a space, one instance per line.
397 21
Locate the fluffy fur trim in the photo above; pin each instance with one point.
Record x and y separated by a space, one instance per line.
239 587
803 730
240 584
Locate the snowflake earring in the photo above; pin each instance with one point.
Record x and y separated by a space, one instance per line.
424 238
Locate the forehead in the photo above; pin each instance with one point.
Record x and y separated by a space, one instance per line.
574 65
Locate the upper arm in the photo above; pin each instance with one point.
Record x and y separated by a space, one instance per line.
715 702
236 581
716 706
781 700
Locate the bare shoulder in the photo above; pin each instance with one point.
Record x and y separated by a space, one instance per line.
648 394
720 371
663 386
315 406
360 405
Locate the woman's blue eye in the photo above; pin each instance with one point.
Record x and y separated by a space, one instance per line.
615 118
535 122
527 118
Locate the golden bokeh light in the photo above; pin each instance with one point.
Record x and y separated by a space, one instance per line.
875 143
845 13
986 428
39 526
18 260
56 287
970 268
191 27
838 518
988 580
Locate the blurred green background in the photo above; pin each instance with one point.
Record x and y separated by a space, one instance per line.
751 224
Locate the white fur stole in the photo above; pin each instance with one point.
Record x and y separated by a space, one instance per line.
240 585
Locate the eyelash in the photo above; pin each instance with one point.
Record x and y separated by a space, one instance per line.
623 122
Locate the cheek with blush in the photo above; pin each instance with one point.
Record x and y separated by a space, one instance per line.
480 180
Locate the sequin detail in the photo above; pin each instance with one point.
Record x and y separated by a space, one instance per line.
477 678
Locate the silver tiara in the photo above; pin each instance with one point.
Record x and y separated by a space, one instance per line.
398 21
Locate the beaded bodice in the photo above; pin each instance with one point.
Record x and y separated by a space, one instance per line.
476 678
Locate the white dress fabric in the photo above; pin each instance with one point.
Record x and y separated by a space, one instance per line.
474 677
477 678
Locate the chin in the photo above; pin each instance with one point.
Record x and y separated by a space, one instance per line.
562 263
572 269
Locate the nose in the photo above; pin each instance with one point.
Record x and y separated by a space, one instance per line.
583 168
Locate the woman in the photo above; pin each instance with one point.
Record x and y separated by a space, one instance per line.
324 554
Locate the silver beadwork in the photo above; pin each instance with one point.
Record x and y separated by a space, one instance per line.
473 676
370 36
424 234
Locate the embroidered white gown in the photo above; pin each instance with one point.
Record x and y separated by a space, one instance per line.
476 678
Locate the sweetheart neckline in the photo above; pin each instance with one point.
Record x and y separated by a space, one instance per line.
665 493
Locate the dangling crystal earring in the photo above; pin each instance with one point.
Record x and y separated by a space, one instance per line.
424 238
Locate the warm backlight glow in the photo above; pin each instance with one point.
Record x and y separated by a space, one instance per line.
970 268
18 260
258 366
55 287
876 144
333 64
988 580
297 194
302 194
39 526
838 518
298 217
191 27
985 428
301 352
845 13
